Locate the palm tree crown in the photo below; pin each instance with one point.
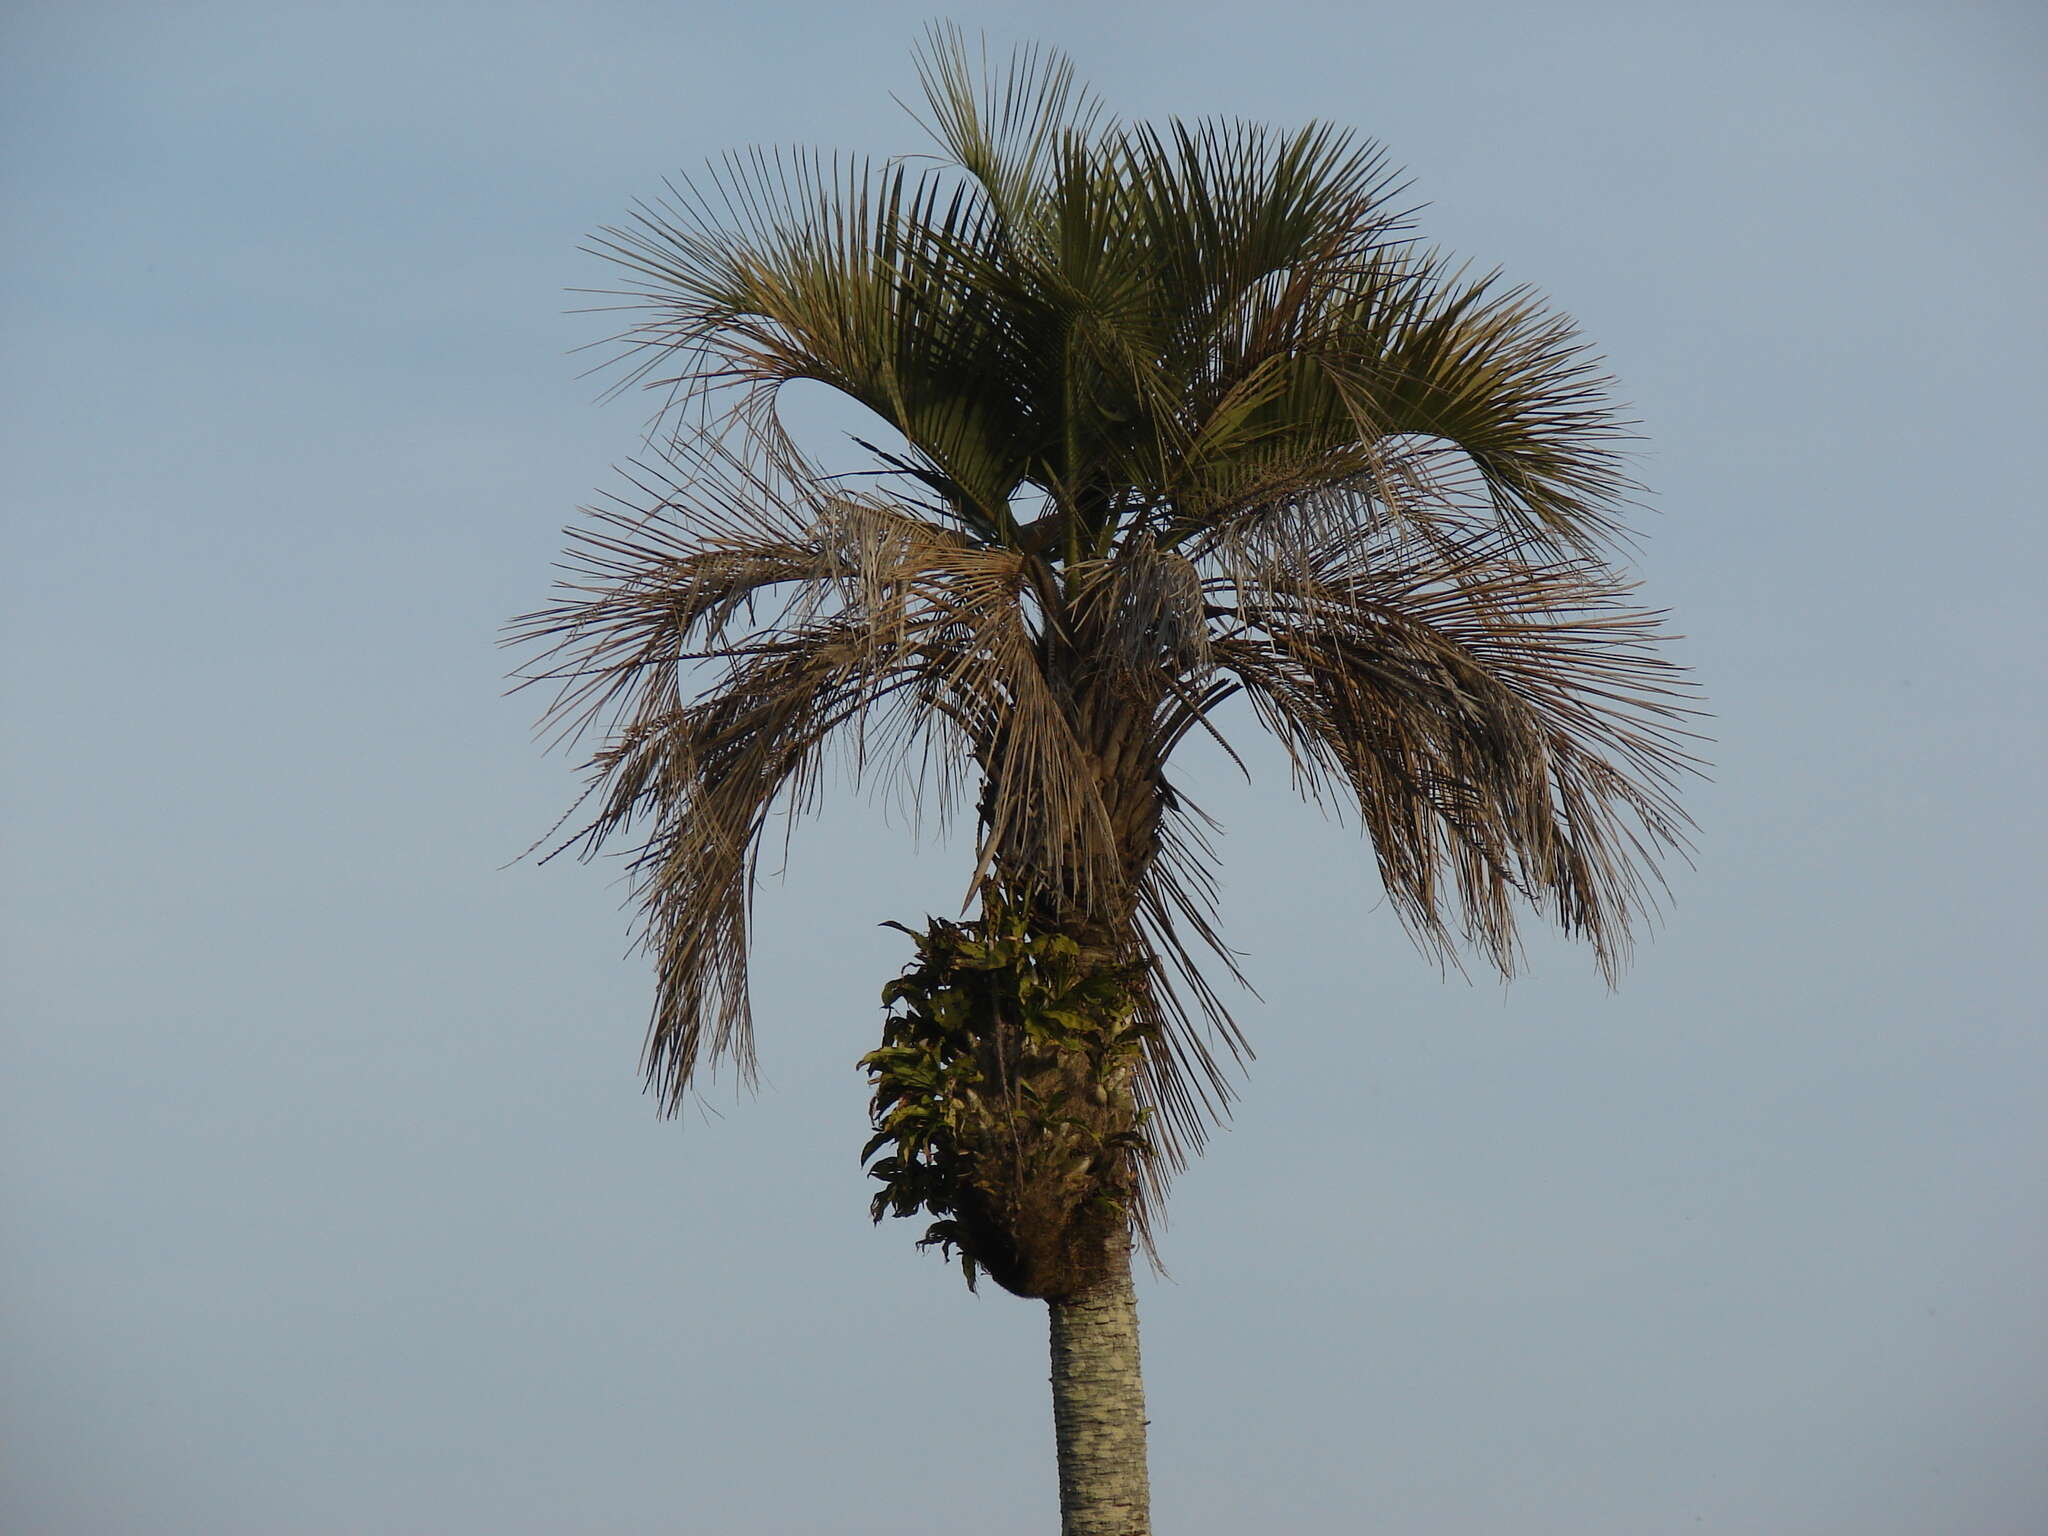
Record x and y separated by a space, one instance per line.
1167 416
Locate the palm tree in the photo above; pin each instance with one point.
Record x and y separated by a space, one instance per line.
1166 418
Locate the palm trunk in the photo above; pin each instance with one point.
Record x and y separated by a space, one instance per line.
1098 1410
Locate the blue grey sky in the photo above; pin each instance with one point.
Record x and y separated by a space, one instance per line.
332 1205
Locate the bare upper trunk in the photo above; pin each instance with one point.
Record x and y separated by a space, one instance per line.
1098 1410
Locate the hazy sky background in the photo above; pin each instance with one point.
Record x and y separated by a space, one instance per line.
332 1202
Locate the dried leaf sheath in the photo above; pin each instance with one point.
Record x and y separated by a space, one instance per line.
1168 416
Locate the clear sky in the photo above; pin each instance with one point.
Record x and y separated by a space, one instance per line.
332 1204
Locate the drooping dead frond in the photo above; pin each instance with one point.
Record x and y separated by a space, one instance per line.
1505 731
870 628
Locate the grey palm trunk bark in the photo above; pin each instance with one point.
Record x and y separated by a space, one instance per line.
1098 1411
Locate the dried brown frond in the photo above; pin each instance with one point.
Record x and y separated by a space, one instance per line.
1505 731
